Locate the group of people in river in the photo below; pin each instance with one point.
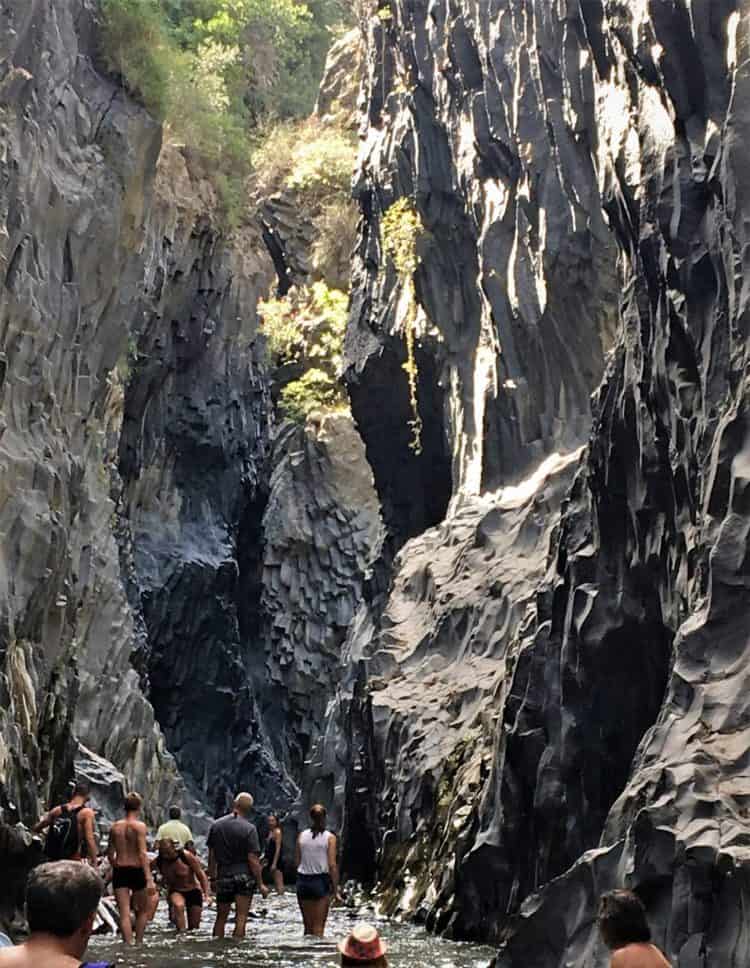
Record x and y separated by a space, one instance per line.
235 870
64 895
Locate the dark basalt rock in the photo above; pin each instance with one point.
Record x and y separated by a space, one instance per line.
545 144
76 172
322 531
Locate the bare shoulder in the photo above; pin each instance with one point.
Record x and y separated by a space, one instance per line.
639 956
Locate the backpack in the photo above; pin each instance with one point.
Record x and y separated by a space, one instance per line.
63 841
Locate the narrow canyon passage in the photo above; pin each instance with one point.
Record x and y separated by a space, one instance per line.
374 394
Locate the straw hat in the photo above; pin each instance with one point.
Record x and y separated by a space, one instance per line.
363 943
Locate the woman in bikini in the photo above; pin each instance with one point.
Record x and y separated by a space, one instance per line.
272 857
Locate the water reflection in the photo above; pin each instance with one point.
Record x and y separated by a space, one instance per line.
276 940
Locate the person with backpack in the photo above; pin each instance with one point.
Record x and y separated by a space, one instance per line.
70 829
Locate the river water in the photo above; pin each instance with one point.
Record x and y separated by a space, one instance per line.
276 941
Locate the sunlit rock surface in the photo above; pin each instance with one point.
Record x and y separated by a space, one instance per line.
580 169
76 172
135 414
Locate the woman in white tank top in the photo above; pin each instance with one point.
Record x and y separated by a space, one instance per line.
317 872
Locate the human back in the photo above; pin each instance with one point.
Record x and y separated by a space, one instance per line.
174 829
313 846
125 836
232 838
640 955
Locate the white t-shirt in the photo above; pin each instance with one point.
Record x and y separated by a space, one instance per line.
313 852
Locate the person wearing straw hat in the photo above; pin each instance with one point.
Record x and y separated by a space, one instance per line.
363 946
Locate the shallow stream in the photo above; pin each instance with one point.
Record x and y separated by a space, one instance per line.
276 941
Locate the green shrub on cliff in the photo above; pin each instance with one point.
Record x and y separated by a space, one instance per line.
136 46
309 157
314 391
213 70
306 329
400 232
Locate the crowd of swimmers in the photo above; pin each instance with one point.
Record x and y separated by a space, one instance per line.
64 895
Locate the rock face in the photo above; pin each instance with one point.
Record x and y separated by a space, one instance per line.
76 173
135 429
322 531
580 169
152 635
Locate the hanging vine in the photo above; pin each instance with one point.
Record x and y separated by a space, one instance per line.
401 230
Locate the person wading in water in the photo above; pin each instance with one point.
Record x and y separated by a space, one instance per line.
186 883
70 829
272 858
132 880
317 872
61 902
234 865
174 829
625 931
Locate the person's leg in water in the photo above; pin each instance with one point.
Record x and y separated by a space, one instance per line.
304 908
278 880
194 916
222 914
242 910
122 896
142 908
152 905
177 902
318 914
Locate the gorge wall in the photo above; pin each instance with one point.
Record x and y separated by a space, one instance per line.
156 531
528 686
569 676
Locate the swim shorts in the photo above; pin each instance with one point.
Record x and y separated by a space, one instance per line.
313 887
193 898
234 885
133 878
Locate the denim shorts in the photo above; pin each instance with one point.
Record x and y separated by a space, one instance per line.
313 887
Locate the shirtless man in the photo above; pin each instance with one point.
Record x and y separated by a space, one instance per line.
61 903
625 931
75 839
186 883
132 880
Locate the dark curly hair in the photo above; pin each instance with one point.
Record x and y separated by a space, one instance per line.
622 920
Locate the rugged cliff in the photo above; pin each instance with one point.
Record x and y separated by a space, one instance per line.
579 169
136 430
157 532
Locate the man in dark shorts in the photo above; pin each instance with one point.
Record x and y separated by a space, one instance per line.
186 883
61 902
132 880
234 865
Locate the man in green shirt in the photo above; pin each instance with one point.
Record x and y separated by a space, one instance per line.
175 830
